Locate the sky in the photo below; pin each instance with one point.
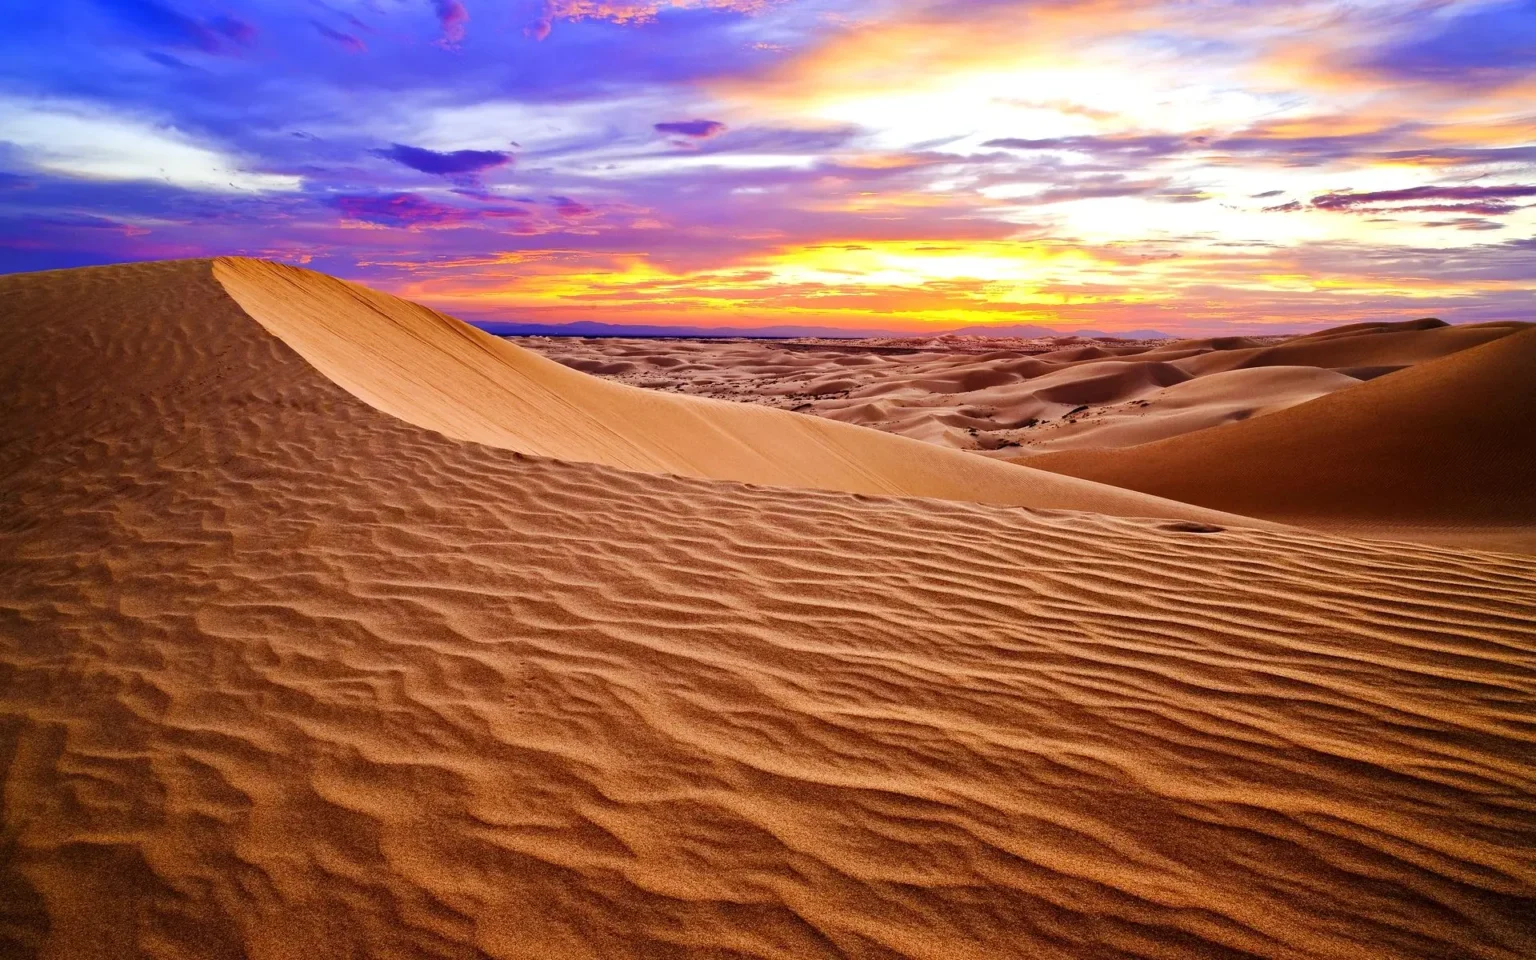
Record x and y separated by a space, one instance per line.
1194 166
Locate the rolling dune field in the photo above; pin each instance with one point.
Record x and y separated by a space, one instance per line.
1012 398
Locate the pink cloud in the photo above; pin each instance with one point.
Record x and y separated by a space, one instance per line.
452 15
415 210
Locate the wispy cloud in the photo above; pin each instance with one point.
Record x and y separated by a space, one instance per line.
1419 195
164 25
415 210
697 129
347 40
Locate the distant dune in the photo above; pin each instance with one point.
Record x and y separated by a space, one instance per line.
1444 450
1367 350
1392 455
289 671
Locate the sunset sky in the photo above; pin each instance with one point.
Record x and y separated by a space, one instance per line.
1194 166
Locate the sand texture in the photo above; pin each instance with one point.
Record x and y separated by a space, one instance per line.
1010 398
287 672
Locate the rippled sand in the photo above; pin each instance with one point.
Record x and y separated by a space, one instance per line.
284 675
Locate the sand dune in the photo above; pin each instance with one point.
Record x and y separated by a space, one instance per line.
1377 348
1013 398
1191 405
1445 450
285 675
436 372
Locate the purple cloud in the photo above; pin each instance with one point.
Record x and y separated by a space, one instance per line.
1467 194
571 209
1292 151
454 163
412 209
167 26
697 129
1143 146
452 15
234 28
166 60
1467 223
1485 208
345 39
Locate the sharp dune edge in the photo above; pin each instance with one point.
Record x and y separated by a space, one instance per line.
442 374
1445 450
286 676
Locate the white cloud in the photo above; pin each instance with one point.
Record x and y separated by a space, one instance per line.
83 140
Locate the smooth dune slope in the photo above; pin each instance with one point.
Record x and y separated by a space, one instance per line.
1445 450
285 676
442 374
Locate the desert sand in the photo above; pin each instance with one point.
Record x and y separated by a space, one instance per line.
1443 457
1010 398
1445 450
308 651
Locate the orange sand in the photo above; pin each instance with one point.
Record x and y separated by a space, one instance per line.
285 674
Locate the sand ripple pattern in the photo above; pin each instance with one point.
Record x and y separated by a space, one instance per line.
281 676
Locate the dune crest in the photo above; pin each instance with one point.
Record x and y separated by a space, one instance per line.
442 374
285 676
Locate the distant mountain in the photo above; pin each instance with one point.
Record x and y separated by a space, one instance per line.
589 328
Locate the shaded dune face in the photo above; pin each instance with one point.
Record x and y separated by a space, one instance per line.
287 676
1443 449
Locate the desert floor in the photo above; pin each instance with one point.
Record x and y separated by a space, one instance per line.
330 626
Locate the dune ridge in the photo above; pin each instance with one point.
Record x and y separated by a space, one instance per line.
442 374
1445 449
285 676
